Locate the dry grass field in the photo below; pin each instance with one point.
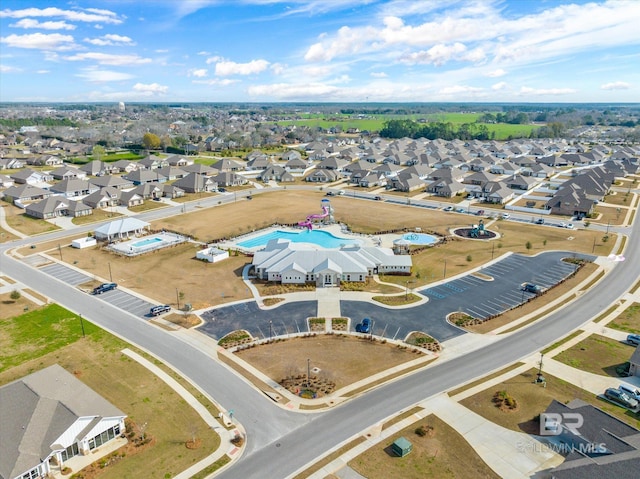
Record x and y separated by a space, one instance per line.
158 274
441 453
352 359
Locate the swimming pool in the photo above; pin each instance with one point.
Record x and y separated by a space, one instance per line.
420 238
320 238
146 242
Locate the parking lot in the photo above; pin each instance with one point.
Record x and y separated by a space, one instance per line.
118 297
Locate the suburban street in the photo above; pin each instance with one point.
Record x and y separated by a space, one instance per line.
280 442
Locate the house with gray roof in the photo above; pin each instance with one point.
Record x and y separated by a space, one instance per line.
227 164
49 417
68 173
73 187
602 446
195 183
113 181
276 173
48 208
22 193
138 177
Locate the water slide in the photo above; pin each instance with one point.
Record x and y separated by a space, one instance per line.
326 211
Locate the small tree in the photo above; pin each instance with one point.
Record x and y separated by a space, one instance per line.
528 245
469 258
15 295
544 242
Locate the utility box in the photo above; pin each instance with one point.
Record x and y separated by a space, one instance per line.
401 447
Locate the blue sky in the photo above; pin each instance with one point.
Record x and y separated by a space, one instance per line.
320 51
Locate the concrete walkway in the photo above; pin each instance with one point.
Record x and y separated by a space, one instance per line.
509 453
225 448
5 226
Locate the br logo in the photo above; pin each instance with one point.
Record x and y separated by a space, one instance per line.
552 424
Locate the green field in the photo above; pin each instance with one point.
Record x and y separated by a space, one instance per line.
376 123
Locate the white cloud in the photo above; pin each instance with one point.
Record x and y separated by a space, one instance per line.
43 72
496 73
150 88
31 23
546 91
214 59
110 59
499 86
161 50
9 69
278 68
437 55
225 68
88 15
216 81
103 76
616 85
41 41
198 73
379 75
203 53
111 40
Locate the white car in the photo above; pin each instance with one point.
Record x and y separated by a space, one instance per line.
570 226
506 216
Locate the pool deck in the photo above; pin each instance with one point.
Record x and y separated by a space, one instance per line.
128 247
336 230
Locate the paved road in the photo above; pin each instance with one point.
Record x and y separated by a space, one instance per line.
279 441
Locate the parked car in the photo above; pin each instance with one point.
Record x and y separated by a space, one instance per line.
461 210
540 221
570 226
104 287
222 190
158 310
365 326
448 208
620 397
249 197
531 288
633 339
480 212
506 216
563 225
378 198
631 391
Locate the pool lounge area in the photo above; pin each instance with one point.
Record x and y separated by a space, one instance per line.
323 239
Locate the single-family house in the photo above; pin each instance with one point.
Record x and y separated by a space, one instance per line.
48 208
445 188
112 181
103 198
227 178
198 168
195 183
295 164
276 173
130 198
179 161
227 165
323 176
138 177
24 193
521 182
73 187
152 162
68 173
6 181
27 176
49 417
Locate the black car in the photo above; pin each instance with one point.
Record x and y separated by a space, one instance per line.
104 287
540 221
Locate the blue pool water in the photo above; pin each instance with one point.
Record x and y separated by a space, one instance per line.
320 238
419 238
146 242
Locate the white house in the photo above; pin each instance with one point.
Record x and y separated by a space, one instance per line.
47 418
299 263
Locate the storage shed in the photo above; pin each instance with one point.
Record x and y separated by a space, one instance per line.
401 447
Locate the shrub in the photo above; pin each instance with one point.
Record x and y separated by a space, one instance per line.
15 295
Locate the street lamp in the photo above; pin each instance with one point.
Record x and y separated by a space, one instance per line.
444 275
178 298
270 330
81 325
110 275
406 292
308 373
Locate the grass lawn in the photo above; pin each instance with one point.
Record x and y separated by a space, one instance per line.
97 216
533 399
610 214
628 320
597 354
18 220
51 335
618 198
442 453
5 236
147 205
351 359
